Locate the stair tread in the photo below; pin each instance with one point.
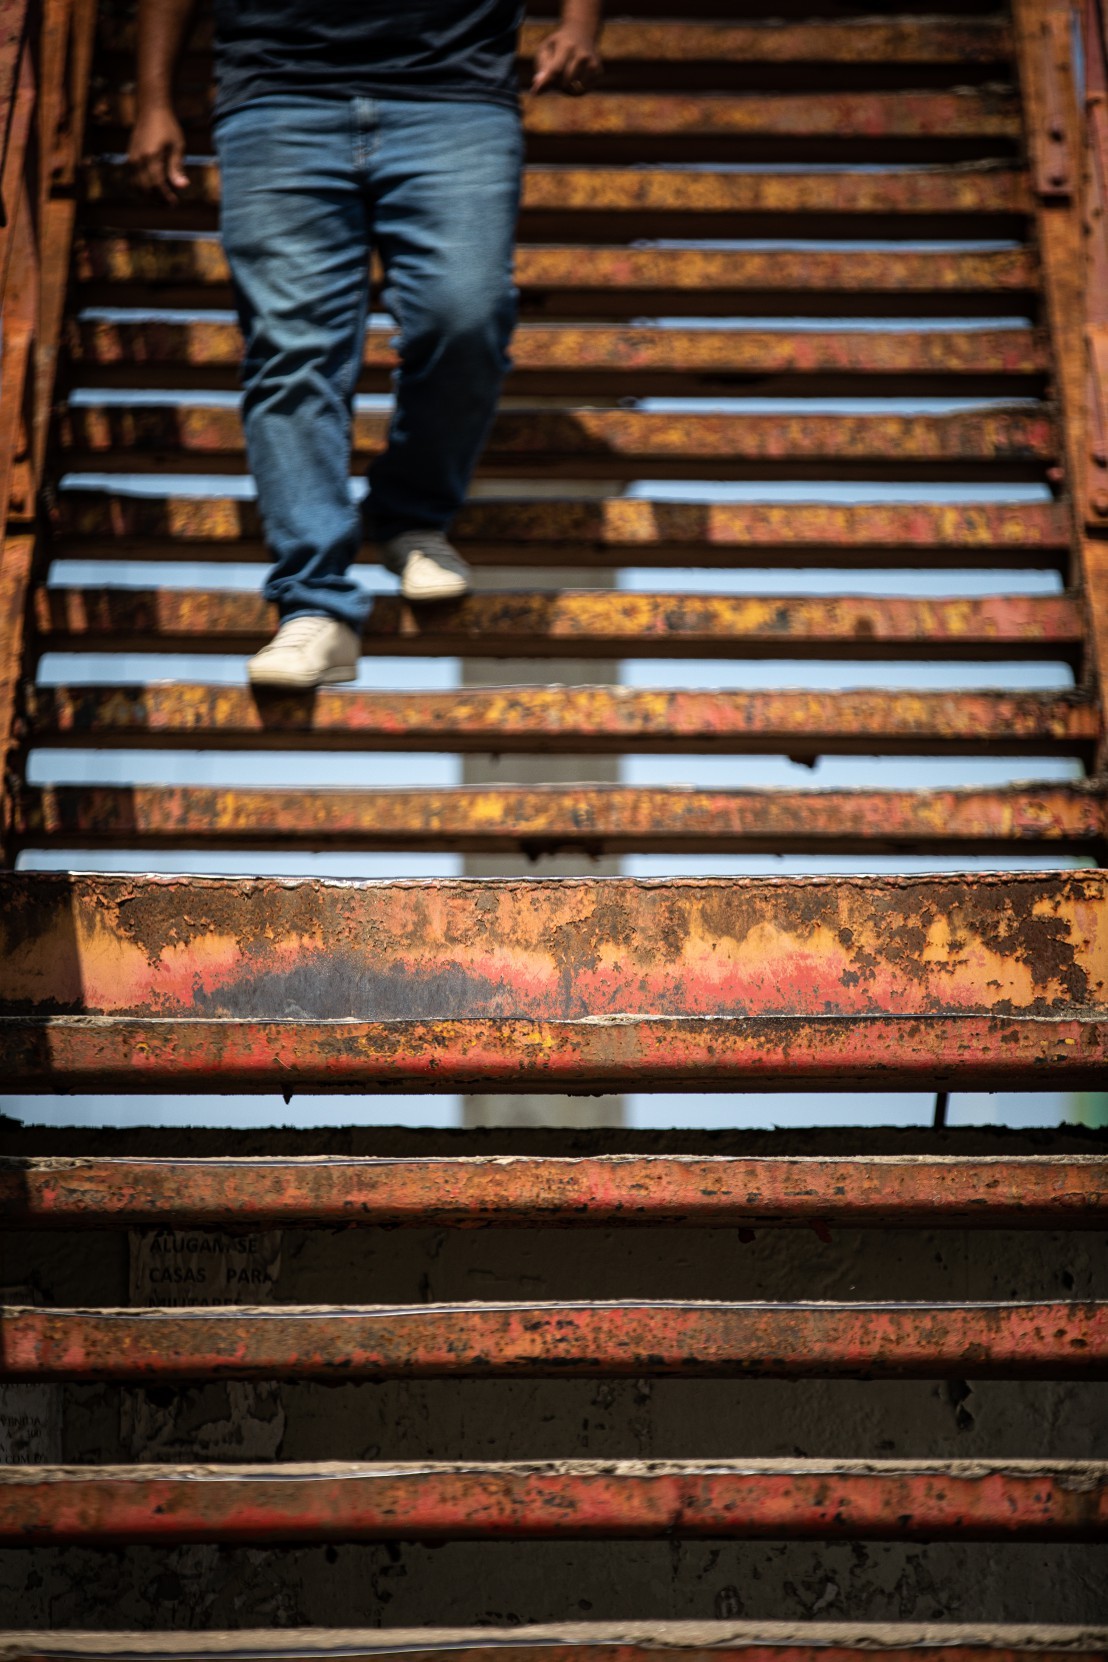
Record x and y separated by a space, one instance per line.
825 1641
612 280
913 201
1016 1191
1011 442
622 530
800 722
597 818
593 1055
457 948
935 123
597 621
149 351
929 1499
982 1339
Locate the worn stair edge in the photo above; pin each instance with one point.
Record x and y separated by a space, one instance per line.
586 622
566 719
592 1055
883 1191
590 1642
589 280
577 953
560 204
618 1641
1014 442
595 1339
755 1499
595 359
547 819
621 530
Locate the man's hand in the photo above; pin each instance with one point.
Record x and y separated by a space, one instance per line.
157 151
568 60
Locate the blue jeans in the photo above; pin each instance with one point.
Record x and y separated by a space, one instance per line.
310 185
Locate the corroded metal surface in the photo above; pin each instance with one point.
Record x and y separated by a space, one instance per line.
585 623
577 1642
550 358
946 1191
556 950
598 1340
627 280
756 1499
901 125
1003 442
635 531
604 819
914 202
803 723
593 1055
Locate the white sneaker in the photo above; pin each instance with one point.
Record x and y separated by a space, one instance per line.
428 566
306 652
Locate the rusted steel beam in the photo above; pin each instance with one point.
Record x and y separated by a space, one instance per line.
577 1642
617 530
605 819
598 720
16 562
555 950
584 280
552 358
1014 442
585 623
925 1191
602 1339
897 126
755 1499
594 1055
1073 285
600 203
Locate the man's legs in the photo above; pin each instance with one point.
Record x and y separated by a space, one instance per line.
295 229
444 182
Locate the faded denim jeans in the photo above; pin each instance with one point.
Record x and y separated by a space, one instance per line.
309 186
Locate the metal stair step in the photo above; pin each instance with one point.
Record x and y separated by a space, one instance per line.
751 1499
604 819
136 981
801 723
1038 1191
593 359
614 531
629 1641
1003 443
562 204
585 623
588 280
933 125
594 1339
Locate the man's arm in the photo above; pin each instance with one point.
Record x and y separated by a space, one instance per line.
568 59
157 147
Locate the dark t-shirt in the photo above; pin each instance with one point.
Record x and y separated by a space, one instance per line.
443 49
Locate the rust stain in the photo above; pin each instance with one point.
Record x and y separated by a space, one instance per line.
952 1191
881 1500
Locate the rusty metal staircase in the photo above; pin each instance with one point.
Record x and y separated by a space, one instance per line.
943 169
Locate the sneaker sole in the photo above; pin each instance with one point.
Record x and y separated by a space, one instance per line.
301 683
